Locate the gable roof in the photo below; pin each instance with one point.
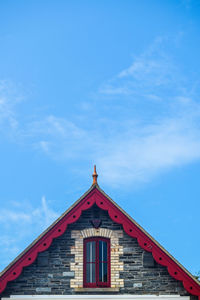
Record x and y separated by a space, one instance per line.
95 195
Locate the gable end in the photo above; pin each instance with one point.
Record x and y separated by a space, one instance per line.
96 196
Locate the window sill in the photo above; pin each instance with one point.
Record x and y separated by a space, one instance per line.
96 290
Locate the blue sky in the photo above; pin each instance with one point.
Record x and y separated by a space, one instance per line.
115 83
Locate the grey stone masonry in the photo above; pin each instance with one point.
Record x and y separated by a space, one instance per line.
51 273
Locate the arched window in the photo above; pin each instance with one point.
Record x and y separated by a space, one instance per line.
96 270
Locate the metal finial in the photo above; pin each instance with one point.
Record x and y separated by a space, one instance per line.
94 175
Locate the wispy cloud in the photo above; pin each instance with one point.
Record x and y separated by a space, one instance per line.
146 121
26 214
58 137
23 223
139 151
9 98
44 214
162 120
150 73
159 129
153 150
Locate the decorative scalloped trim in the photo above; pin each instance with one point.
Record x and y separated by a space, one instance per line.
95 196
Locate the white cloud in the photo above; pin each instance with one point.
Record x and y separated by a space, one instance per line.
23 224
150 72
59 138
9 98
8 247
45 146
147 124
153 150
26 215
44 215
161 128
137 152
56 126
158 132
110 90
14 216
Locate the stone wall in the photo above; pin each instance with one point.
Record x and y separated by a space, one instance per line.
52 272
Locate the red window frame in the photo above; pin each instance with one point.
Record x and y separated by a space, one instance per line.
97 282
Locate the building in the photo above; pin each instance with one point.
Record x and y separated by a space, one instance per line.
95 250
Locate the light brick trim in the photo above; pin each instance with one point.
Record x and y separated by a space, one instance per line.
104 232
115 249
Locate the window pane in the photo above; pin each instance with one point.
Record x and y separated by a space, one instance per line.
90 273
96 262
103 272
90 252
102 251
